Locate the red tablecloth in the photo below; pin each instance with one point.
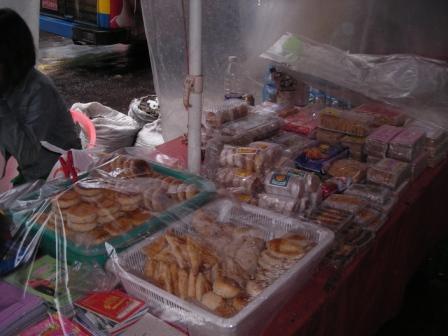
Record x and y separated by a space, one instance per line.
370 289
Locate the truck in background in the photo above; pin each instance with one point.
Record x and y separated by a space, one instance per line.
96 22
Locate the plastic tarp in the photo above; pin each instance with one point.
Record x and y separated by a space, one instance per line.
248 28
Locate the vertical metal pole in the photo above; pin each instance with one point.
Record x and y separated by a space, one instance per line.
195 69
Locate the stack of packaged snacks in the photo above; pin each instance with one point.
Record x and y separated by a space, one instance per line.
355 146
383 114
389 172
350 203
319 158
348 122
419 165
305 122
377 143
356 170
407 145
436 142
291 190
230 110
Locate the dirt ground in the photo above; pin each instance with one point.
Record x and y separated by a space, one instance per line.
111 75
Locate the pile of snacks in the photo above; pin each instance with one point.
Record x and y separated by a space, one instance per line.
220 266
99 208
348 122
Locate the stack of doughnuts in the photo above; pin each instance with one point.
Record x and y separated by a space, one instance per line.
219 266
96 210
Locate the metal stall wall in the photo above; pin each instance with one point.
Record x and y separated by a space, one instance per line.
247 28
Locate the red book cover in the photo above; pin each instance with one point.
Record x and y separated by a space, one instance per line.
114 305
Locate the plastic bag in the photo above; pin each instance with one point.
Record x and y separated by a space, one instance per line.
114 129
144 110
150 135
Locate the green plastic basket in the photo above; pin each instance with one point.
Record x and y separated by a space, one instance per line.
57 246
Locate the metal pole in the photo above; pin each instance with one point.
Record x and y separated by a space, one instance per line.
195 70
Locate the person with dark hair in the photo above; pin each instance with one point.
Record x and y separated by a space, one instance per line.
31 109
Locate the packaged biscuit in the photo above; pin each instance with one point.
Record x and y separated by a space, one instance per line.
251 128
371 159
383 114
305 122
348 122
371 192
335 185
355 146
334 219
240 180
434 135
345 202
318 158
282 204
377 143
356 170
407 145
389 172
267 154
329 137
288 185
230 110
369 218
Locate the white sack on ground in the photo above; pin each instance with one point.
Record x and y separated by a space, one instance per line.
114 130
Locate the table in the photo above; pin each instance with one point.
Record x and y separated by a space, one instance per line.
370 289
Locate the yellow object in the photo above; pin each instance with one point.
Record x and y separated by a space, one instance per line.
104 6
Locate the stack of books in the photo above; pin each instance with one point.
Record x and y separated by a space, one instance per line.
108 313
18 309
54 325
44 279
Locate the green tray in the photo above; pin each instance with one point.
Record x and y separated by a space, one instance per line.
58 247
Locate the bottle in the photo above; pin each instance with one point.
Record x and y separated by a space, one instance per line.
232 79
270 88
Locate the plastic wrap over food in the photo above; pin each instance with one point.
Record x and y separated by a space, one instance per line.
239 179
348 122
282 204
345 202
251 128
383 114
319 158
371 192
407 145
292 143
222 269
304 122
257 157
329 137
355 145
356 170
389 172
230 110
406 81
434 135
52 263
377 143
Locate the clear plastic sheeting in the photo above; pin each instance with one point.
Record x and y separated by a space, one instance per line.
56 237
248 28
416 84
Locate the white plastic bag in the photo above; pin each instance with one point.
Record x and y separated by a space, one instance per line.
150 135
144 110
114 130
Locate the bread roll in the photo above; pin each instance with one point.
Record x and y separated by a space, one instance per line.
226 288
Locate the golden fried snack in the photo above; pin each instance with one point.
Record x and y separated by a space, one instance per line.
155 247
192 278
183 283
226 288
202 286
212 300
